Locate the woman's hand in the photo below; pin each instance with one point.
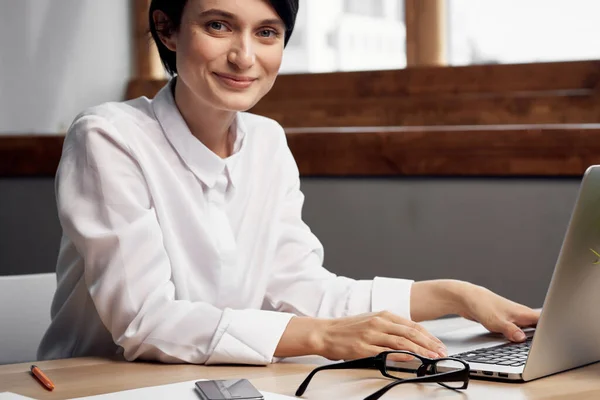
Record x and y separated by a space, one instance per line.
433 299
369 334
359 336
496 313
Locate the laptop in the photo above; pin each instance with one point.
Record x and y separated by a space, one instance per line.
568 332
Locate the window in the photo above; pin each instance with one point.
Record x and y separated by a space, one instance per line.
372 8
347 35
517 31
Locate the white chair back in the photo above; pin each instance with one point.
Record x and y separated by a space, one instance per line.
24 314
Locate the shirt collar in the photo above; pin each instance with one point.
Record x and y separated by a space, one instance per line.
205 164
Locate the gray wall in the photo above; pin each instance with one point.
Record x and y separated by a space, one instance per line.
504 234
29 227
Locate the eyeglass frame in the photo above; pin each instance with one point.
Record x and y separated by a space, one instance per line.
379 362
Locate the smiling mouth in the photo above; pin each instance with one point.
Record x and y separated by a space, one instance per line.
235 82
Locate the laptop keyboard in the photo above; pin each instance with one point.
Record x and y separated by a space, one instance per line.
509 354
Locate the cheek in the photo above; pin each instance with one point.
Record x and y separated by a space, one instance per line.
271 60
197 50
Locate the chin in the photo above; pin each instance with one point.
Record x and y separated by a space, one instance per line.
236 104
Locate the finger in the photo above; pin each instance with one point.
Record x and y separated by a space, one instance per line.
396 342
511 331
425 332
413 334
527 317
403 321
400 357
374 350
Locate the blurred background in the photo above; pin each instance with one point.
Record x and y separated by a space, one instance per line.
60 56
439 138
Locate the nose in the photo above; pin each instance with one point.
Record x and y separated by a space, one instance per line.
242 53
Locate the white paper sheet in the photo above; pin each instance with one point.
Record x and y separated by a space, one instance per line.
179 391
14 396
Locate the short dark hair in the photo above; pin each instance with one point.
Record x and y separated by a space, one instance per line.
173 9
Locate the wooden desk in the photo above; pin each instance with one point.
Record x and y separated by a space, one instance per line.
89 376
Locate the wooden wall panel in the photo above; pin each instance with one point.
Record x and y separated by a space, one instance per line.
447 151
482 79
431 111
30 155
534 150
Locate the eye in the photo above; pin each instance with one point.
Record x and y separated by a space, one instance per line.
267 33
217 26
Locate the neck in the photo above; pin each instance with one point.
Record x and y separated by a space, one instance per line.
209 125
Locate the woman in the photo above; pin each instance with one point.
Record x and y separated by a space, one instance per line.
183 239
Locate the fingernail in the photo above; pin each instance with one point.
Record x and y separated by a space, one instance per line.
442 351
431 354
519 336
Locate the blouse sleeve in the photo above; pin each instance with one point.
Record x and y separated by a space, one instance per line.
106 209
301 285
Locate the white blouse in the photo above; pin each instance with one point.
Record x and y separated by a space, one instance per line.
171 253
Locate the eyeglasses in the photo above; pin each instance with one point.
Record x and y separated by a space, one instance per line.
449 372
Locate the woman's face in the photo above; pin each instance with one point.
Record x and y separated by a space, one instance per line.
228 51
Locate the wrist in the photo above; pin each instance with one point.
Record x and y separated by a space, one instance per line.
454 293
302 336
436 298
317 337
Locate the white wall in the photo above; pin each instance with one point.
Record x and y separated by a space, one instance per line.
58 57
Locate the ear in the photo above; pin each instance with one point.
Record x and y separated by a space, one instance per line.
164 29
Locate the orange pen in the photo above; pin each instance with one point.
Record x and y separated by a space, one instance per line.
44 380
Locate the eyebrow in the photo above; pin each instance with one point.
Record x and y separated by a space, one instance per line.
273 21
224 14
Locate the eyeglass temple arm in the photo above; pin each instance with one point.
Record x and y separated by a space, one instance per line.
454 376
361 363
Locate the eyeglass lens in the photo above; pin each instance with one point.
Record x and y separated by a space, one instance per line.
394 369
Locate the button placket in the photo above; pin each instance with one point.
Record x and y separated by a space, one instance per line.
224 238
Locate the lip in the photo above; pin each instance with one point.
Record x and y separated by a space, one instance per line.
235 81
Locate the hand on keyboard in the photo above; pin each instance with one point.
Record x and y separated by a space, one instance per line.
496 313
